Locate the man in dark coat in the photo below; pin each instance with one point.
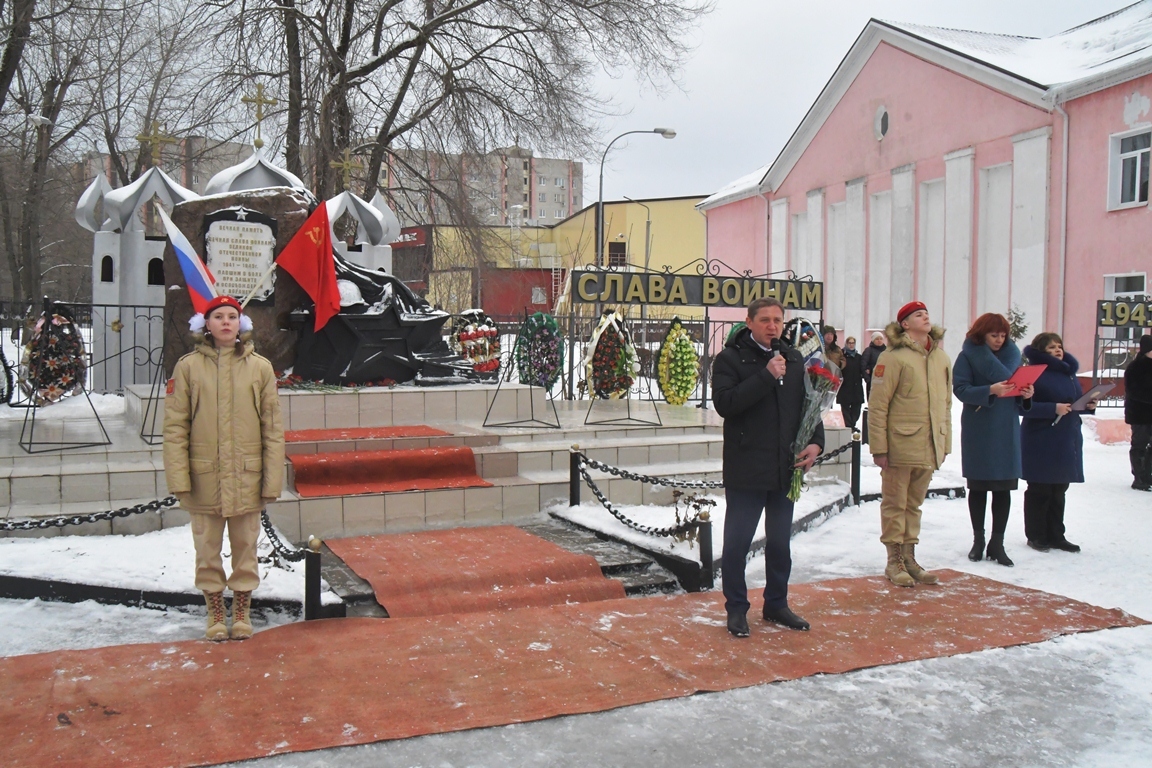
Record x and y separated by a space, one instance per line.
1138 413
850 396
758 388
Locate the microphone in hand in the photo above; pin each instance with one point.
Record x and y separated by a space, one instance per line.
778 349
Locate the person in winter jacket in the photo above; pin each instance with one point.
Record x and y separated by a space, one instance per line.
850 397
910 426
990 428
869 357
832 352
1138 414
758 388
224 456
1051 443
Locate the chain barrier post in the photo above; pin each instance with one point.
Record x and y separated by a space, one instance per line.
312 579
864 426
574 476
707 578
856 468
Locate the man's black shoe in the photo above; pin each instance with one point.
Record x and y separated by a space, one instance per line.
1065 545
738 625
1039 546
786 617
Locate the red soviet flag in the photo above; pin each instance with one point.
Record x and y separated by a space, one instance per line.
308 258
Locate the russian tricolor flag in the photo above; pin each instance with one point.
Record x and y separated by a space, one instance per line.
201 283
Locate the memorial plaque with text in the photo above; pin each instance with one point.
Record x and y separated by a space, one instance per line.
239 253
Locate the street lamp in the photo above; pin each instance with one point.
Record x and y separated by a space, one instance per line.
667 133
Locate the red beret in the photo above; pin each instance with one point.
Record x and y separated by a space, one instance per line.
909 308
225 301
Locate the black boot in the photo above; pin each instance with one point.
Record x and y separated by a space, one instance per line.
976 554
786 617
738 624
996 552
1065 545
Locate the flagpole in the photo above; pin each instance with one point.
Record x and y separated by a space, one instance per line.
259 285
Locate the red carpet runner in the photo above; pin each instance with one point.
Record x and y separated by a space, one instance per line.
351 681
351 472
362 433
463 570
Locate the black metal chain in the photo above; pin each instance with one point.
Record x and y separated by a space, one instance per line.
668 482
278 546
675 530
93 517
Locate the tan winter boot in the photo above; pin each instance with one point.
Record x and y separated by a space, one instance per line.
216 616
895 571
908 551
241 620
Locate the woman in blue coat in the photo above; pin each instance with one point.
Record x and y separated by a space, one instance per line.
989 428
1052 444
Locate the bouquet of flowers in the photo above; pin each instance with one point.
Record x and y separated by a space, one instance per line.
611 360
820 386
678 368
539 353
53 364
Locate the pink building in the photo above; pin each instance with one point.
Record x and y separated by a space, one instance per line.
969 170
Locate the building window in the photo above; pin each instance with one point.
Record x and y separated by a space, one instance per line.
561 181
1129 287
543 197
1129 169
559 214
525 197
542 181
525 168
538 295
106 272
156 272
880 123
617 254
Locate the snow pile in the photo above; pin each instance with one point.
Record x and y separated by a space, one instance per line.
72 407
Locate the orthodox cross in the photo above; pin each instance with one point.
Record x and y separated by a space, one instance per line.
157 140
261 101
345 166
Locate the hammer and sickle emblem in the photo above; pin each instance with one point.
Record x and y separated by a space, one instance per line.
314 235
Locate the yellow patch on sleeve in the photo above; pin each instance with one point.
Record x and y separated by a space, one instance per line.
171 387
878 372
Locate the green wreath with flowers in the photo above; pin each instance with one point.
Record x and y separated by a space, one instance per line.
53 365
678 366
612 364
539 351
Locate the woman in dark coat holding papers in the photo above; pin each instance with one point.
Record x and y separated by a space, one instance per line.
1052 444
990 428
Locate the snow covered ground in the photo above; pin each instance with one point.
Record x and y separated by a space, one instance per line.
1083 700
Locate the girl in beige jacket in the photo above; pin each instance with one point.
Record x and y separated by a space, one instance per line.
224 456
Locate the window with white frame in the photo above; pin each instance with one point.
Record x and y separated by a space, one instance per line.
561 181
1129 159
542 180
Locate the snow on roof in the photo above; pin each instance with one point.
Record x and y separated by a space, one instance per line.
1088 51
745 186
1081 57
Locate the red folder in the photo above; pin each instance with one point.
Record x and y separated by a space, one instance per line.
1025 375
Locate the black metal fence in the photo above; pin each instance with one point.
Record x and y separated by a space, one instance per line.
123 342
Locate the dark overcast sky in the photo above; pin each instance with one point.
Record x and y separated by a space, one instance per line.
756 70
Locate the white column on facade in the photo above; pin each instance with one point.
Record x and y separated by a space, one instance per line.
834 283
994 240
799 260
930 265
1030 163
903 239
879 261
959 168
778 235
854 260
815 266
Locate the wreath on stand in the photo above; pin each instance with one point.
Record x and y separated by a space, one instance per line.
678 367
539 351
477 337
611 363
53 364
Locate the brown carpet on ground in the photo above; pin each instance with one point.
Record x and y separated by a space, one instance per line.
462 570
329 683
348 473
362 433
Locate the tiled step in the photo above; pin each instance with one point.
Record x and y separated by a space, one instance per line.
639 574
